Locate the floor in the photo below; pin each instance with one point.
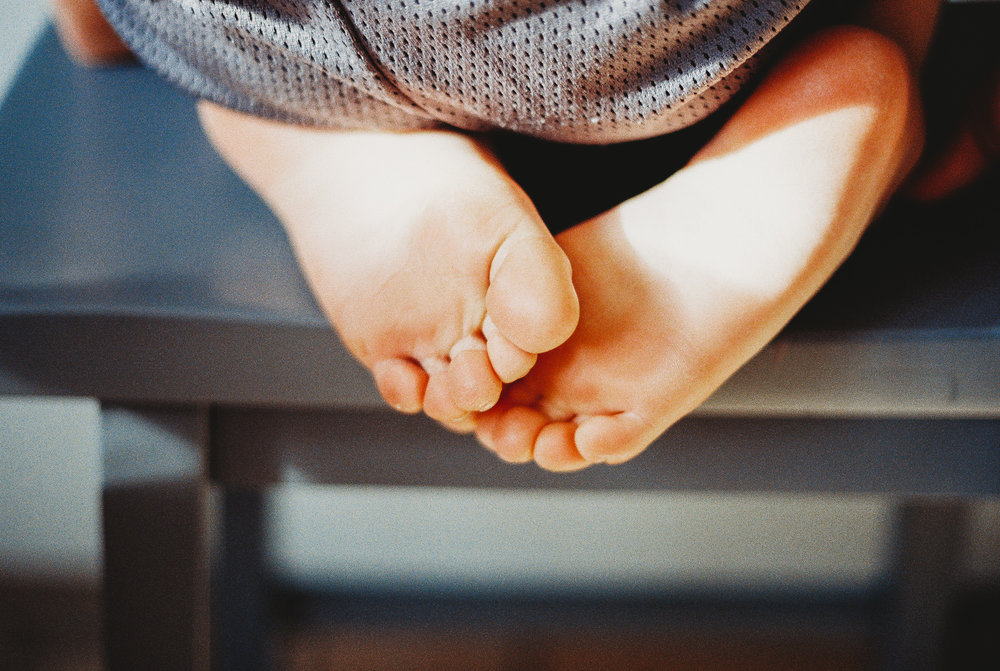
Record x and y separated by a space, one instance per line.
46 626
57 628
541 635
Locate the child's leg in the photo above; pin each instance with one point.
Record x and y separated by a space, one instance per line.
682 284
85 33
431 263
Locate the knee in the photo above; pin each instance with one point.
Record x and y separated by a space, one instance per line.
86 34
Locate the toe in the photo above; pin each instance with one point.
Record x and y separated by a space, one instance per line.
438 404
513 434
401 383
465 424
486 424
555 448
509 361
614 438
531 298
472 384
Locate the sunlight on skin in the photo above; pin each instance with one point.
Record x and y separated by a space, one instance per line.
686 226
732 271
684 283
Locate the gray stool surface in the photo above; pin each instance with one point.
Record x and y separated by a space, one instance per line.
137 268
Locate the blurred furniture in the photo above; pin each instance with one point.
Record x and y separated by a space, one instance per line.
135 268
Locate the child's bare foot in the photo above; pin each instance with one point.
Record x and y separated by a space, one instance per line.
85 33
431 263
681 285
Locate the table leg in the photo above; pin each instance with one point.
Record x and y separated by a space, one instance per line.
241 601
156 515
930 538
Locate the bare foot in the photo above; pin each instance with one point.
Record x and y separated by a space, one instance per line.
85 33
428 259
683 284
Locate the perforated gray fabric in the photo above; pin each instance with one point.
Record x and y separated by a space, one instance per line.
586 71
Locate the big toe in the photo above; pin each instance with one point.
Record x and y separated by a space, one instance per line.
531 298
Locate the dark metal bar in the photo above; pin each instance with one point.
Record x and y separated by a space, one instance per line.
242 613
930 538
156 538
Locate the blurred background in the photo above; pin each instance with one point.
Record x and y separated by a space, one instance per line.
466 579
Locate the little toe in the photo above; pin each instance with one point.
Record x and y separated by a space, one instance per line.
612 439
401 383
531 298
509 361
555 448
473 385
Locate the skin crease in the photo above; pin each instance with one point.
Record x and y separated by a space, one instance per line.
676 288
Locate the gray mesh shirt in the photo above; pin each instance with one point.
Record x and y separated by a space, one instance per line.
584 71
